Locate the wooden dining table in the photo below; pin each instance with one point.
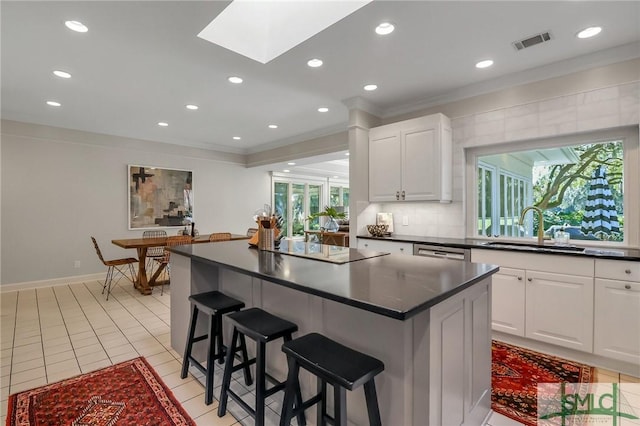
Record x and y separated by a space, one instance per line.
143 283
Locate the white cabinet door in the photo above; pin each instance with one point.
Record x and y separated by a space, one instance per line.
559 309
420 180
385 164
508 300
617 320
392 247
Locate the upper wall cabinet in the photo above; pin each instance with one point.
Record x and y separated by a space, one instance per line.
411 160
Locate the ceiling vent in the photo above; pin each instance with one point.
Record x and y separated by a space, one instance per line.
532 41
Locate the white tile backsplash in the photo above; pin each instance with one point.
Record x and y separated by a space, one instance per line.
427 218
592 110
495 115
529 121
489 128
558 129
600 122
568 114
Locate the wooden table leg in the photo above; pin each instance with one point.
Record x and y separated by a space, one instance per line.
156 274
142 285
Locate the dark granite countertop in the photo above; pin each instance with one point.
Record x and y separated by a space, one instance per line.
470 243
395 286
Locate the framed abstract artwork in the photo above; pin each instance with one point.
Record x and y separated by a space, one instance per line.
159 197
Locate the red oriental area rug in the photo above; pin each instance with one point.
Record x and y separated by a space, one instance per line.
129 393
516 372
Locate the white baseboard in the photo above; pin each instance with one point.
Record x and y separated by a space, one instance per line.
30 285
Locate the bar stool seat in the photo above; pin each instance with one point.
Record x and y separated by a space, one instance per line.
333 363
214 304
262 327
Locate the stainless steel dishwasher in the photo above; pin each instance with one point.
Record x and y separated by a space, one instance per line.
452 253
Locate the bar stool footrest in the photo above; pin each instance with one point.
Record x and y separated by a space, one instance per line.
242 403
197 365
200 338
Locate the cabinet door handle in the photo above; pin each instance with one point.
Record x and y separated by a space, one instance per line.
529 279
627 271
519 278
627 286
403 195
397 195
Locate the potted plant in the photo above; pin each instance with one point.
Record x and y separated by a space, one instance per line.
332 214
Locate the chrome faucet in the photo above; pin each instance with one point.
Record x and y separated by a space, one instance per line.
540 222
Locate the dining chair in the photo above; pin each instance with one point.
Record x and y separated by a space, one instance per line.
117 265
176 240
154 252
220 236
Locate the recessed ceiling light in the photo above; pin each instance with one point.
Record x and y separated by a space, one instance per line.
54 103
286 170
315 62
385 28
61 74
237 138
76 26
192 107
370 87
162 124
235 80
323 109
346 153
484 64
291 163
589 32
273 126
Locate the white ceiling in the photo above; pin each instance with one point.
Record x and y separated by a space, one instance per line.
141 62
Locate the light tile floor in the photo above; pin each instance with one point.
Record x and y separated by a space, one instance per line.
54 333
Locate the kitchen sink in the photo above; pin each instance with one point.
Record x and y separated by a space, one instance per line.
534 247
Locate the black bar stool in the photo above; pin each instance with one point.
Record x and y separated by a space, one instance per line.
214 304
333 363
262 327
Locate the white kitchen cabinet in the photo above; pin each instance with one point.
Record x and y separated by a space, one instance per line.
507 306
551 302
617 310
393 247
411 160
559 309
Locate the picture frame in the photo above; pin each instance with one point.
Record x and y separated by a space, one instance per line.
159 197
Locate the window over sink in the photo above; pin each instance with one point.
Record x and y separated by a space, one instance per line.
584 184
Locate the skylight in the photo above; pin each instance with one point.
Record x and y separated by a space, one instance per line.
265 29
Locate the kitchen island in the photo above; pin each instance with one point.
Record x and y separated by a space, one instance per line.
427 319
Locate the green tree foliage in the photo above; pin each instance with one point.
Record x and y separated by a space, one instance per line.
561 190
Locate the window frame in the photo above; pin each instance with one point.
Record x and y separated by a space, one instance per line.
291 179
631 158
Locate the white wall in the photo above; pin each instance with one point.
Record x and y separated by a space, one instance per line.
598 102
59 187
